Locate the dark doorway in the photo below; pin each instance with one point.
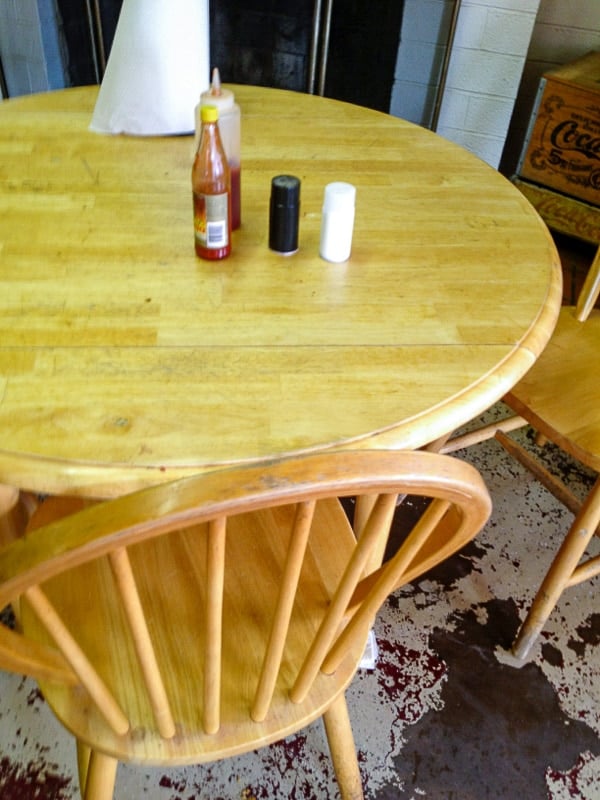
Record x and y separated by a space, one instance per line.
88 30
365 36
266 43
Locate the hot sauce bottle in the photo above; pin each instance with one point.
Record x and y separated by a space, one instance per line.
211 187
230 130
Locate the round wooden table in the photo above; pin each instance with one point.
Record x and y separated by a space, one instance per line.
125 360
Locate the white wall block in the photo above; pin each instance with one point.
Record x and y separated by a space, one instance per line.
469 33
456 109
507 32
488 148
489 114
485 73
478 114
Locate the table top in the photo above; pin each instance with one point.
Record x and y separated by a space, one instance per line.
125 360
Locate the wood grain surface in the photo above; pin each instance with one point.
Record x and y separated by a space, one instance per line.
125 360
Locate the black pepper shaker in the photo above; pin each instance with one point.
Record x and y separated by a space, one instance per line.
284 214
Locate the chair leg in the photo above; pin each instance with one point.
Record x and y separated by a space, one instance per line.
101 776
83 762
343 751
566 560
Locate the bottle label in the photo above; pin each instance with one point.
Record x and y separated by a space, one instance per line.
211 222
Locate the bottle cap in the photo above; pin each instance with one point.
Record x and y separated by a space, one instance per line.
339 196
285 191
223 99
284 214
209 114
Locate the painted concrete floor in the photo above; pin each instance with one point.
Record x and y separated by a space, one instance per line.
443 716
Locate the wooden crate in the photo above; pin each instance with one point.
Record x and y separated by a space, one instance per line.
562 146
562 213
573 220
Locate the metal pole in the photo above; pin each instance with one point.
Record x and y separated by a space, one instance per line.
314 46
100 38
96 38
325 47
93 40
446 63
3 85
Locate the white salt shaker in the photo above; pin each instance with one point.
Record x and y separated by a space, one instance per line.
337 222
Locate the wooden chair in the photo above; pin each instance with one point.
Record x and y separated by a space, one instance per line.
560 398
207 617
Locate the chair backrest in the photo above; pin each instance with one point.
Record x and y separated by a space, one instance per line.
183 531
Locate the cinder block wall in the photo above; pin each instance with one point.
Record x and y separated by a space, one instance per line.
22 52
488 55
421 51
30 46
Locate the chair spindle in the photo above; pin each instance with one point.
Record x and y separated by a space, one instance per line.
121 567
390 577
99 692
289 583
328 629
215 570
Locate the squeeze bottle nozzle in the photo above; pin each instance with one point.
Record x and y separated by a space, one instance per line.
215 86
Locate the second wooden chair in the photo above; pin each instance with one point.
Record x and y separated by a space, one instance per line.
207 617
560 398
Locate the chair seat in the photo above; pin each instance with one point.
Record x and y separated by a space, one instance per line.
170 572
559 395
